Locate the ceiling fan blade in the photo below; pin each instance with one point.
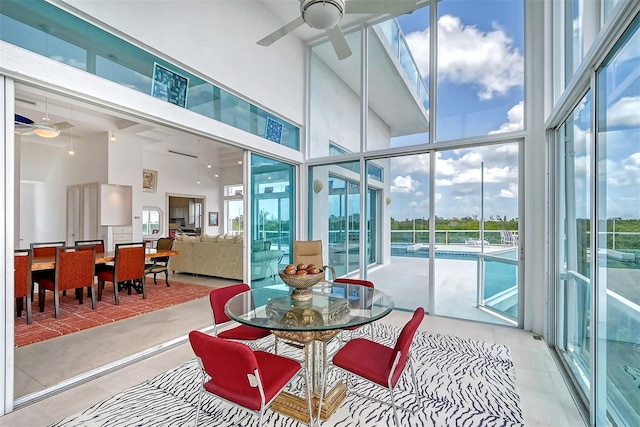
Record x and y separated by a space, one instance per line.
63 125
22 120
380 6
339 43
281 32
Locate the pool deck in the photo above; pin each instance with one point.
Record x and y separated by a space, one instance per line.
406 279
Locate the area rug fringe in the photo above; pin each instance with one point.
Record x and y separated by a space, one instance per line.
462 383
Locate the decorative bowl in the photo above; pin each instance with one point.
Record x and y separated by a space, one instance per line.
300 283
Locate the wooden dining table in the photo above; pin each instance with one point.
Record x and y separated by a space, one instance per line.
49 262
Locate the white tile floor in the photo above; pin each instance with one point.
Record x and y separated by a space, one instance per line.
545 399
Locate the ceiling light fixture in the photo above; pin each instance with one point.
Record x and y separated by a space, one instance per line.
322 14
113 137
46 111
45 131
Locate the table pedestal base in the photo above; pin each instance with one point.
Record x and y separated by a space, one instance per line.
296 407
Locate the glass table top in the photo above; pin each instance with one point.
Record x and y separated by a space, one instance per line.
331 306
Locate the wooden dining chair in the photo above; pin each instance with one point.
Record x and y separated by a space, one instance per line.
378 364
243 377
160 264
127 271
75 269
22 284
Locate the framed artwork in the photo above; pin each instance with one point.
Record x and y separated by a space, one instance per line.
273 130
169 86
213 218
149 180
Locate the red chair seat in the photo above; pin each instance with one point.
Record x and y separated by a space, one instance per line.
366 359
244 332
241 376
275 371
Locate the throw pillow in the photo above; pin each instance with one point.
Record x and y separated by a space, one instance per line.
208 239
257 245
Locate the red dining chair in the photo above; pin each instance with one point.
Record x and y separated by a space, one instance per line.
366 283
127 270
218 298
379 364
75 269
44 249
22 284
99 245
241 376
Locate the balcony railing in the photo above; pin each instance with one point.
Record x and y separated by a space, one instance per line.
398 43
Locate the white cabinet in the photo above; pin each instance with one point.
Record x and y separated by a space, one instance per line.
122 234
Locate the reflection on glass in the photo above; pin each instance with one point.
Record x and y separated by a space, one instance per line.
574 292
618 231
271 218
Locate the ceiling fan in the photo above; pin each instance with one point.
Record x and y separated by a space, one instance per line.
327 14
26 126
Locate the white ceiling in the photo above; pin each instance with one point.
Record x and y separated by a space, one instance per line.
89 120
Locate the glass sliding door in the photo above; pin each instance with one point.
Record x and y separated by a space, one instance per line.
574 244
272 210
618 234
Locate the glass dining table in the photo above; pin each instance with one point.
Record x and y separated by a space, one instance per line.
310 325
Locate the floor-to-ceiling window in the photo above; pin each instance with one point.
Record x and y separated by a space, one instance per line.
597 147
574 245
617 231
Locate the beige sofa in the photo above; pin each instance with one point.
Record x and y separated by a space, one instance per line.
221 256
208 255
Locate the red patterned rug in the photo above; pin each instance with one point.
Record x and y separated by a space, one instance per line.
75 317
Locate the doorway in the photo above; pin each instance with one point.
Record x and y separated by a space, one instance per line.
185 215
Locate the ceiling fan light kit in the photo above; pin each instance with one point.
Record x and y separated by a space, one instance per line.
322 14
45 131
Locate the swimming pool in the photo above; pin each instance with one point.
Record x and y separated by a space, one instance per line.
400 249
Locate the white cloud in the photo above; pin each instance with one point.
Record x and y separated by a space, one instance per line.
404 184
469 56
516 120
625 112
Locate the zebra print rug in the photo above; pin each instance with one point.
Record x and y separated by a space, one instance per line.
462 382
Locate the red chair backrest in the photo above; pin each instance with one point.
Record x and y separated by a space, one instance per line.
75 267
45 249
229 365
129 261
404 343
99 244
366 283
219 297
22 260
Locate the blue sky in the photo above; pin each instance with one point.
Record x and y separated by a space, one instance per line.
480 91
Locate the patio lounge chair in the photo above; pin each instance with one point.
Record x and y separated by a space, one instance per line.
508 237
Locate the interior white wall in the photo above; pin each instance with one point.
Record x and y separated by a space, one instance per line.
335 114
217 31
46 171
178 175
